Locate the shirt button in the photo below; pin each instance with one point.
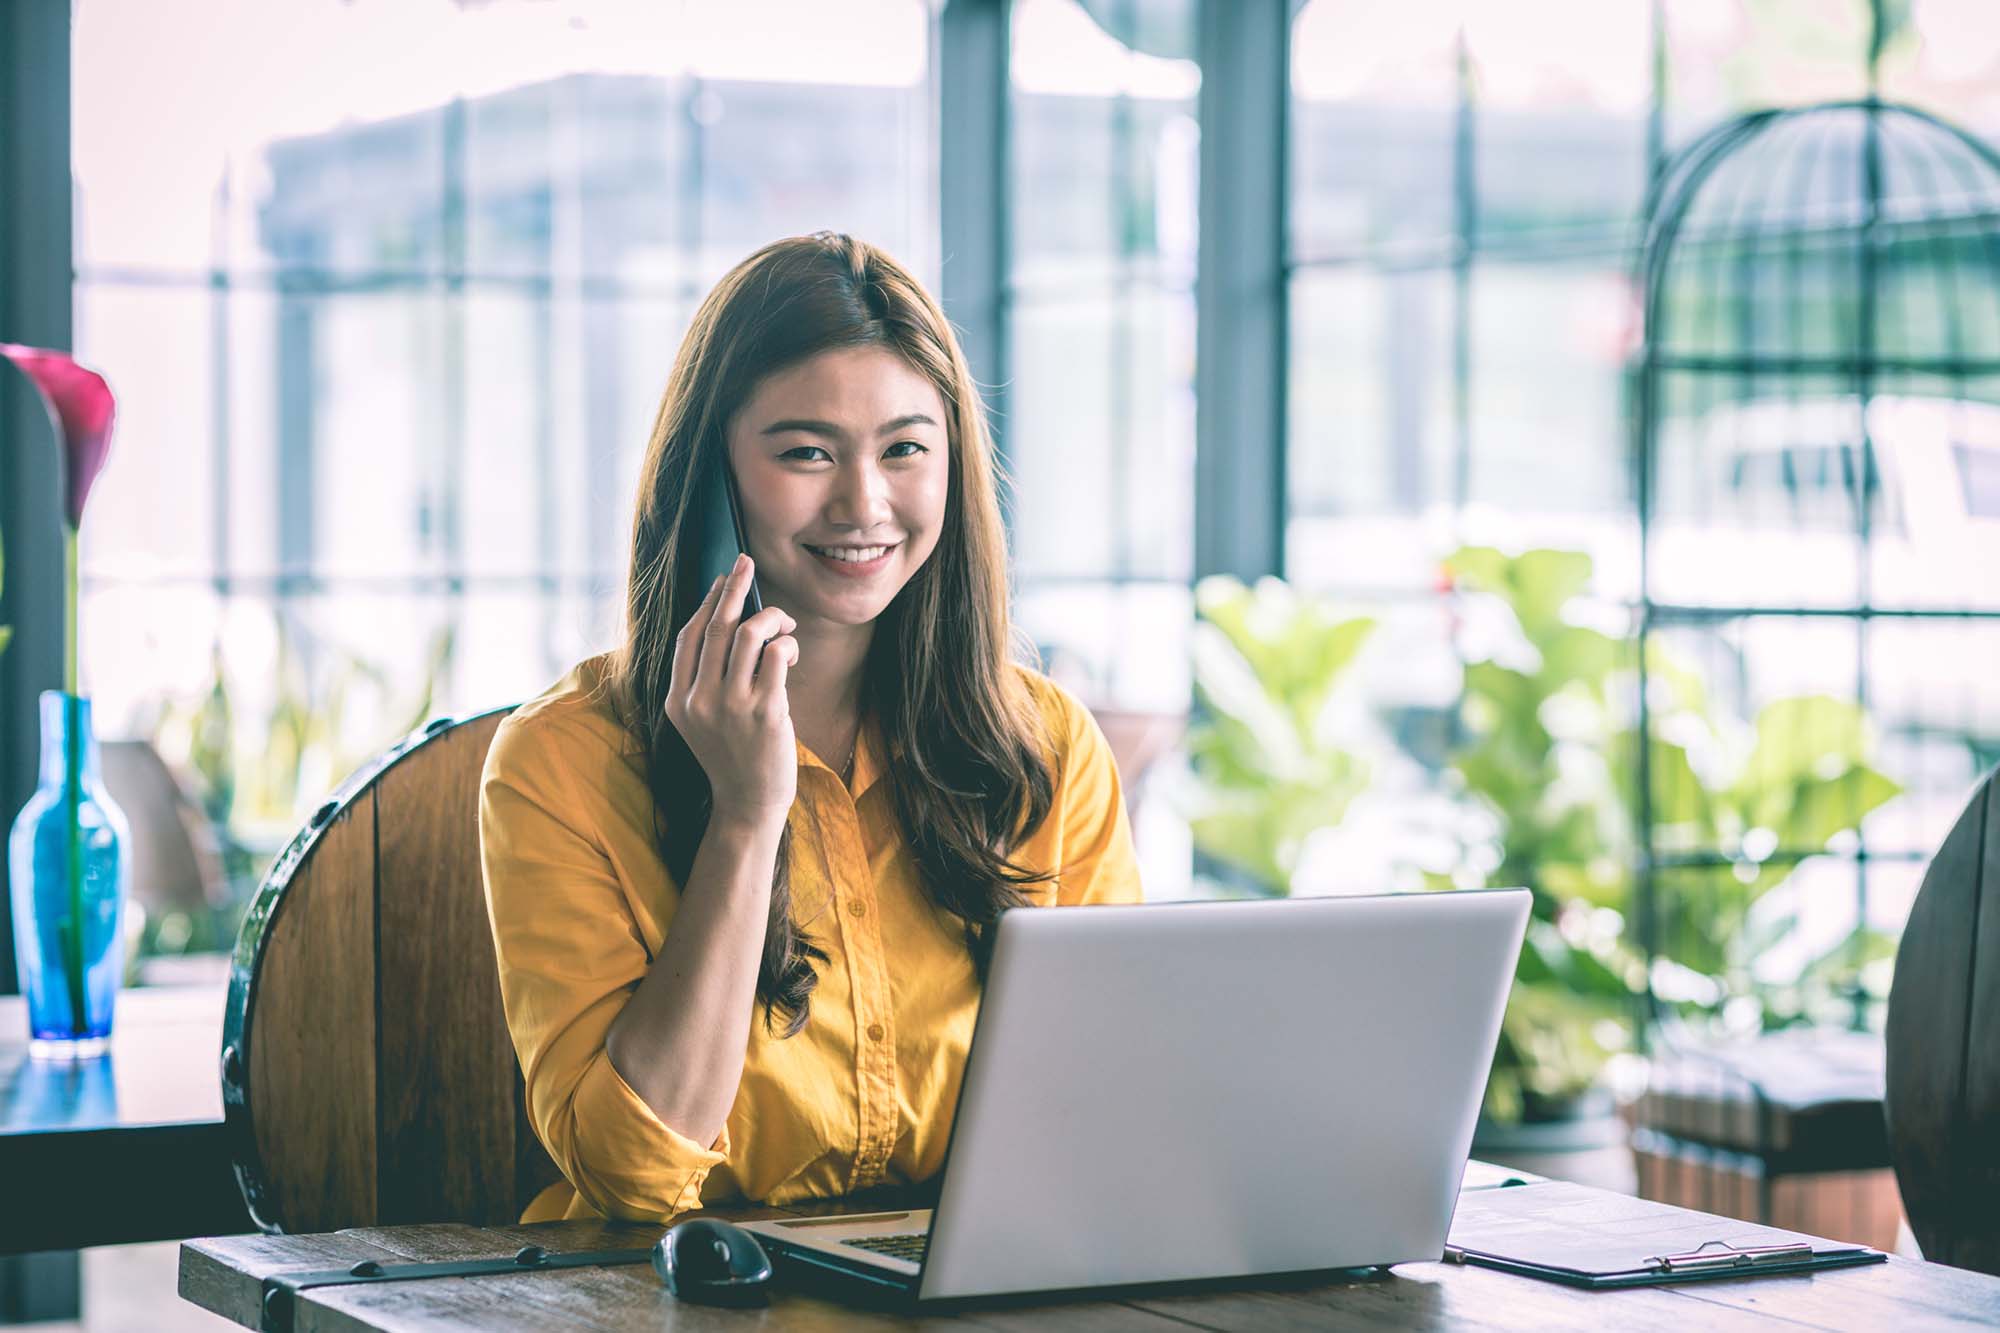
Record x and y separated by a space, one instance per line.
857 908
874 1032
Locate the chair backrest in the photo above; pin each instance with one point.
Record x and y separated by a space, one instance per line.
368 1077
176 865
1944 1046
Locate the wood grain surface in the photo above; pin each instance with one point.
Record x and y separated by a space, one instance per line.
312 1038
1943 1037
444 1063
225 1275
383 1087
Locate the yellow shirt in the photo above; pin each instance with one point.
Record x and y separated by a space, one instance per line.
580 902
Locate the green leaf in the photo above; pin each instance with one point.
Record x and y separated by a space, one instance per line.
1535 965
1293 648
212 742
1685 690
1535 585
1506 705
1806 779
1800 736
1266 661
1858 948
1227 683
1550 1043
1820 809
1575 654
1703 912
1541 583
1481 568
1682 808
1509 789
1239 837
1603 882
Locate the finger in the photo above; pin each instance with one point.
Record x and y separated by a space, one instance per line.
722 626
687 644
780 656
746 653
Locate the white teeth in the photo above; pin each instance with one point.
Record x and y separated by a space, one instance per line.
852 556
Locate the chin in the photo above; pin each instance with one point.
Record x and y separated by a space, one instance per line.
810 597
859 607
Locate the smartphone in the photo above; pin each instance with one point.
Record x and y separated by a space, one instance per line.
722 537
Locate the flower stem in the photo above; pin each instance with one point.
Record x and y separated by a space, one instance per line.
73 794
72 802
71 590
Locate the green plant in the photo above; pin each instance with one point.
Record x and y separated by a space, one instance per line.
1791 786
1268 772
1537 721
1549 753
255 783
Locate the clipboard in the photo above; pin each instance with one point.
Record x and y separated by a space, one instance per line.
1582 1237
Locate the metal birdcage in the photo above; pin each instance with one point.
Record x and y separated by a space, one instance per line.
1817 422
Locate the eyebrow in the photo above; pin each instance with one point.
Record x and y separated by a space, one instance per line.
832 432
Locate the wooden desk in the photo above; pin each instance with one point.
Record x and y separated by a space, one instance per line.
129 1147
226 1276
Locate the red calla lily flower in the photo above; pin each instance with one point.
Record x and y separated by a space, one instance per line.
80 407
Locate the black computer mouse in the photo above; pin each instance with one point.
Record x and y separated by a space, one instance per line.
711 1262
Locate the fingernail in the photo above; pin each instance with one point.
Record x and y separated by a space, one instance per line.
742 559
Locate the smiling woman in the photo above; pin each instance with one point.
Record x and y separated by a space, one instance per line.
668 851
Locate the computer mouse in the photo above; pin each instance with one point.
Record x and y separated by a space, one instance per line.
710 1262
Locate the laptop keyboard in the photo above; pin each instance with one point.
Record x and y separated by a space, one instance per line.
909 1245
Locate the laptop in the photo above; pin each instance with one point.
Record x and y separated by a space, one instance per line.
1177 1091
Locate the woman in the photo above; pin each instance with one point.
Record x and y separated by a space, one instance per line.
743 872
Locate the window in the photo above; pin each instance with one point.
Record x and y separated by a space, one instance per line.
387 348
1466 186
1979 477
1099 430
1100 426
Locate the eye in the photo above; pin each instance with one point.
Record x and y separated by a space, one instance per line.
800 449
921 449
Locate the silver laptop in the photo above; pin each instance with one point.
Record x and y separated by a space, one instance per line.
1177 1091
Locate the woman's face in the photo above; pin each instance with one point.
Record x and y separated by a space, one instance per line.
845 451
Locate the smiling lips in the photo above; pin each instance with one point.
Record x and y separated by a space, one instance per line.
853 561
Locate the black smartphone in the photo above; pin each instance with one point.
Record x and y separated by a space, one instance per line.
722 537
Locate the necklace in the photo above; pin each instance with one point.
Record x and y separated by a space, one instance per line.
847 769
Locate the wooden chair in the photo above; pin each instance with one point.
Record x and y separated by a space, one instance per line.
367 1074
176 864
1944 1046
1137 740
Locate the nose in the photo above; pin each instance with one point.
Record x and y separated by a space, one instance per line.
860 498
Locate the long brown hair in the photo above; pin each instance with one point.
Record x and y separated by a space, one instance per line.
965 739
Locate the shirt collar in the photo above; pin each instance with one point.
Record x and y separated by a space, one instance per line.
867 760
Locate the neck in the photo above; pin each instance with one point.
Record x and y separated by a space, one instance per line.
825 687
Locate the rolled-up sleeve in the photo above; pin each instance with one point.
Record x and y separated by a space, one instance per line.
570 955
1099 863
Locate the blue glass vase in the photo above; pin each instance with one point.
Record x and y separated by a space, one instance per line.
68 890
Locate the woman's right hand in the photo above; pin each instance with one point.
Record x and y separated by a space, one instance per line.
739 728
